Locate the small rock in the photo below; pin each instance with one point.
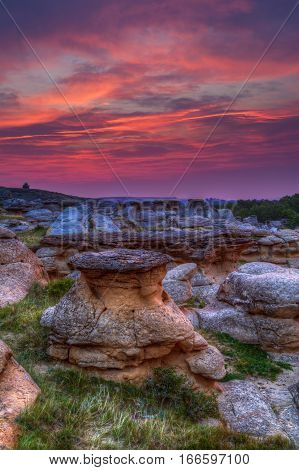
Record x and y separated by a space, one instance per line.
47 317
183 272
209 363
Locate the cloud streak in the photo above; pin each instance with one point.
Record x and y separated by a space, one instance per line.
149 80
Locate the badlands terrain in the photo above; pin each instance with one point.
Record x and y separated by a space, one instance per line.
146 324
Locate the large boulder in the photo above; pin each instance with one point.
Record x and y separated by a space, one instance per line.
17 391
280 334
226 319
244 409
43 216
19 269
117 316
263 288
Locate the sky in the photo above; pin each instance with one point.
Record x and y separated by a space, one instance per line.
193 98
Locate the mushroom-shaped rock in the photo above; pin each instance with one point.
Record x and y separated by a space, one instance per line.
120 260
117 315
19 269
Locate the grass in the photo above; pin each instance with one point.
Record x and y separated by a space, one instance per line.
172 389
241 262
195 302
246 359
33 237
77 410
20 323
4 216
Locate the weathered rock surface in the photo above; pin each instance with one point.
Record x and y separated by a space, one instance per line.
17 225
17 391
208 362
199 280
118 315
19 269
281 395
40 215
244 409
281 334
207 294
226 319
263 288
177 282
183 272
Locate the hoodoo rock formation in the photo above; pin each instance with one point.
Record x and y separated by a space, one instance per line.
19 269
118 319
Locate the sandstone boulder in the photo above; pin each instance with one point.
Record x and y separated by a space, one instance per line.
226 319
209 362
279 334
19 269
206 293
17 391
263 288
244 409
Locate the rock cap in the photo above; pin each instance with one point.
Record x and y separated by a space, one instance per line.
119 260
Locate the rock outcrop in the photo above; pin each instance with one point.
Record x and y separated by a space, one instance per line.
17 391
263 289
244 409
187 230
256 304
117 318
19 269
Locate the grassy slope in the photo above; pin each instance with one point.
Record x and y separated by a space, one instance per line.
76 410
33 237
245 359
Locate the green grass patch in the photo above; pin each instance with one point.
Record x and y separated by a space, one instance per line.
4 216
79 411
20 323
172 389
246 359
33 237
195 302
